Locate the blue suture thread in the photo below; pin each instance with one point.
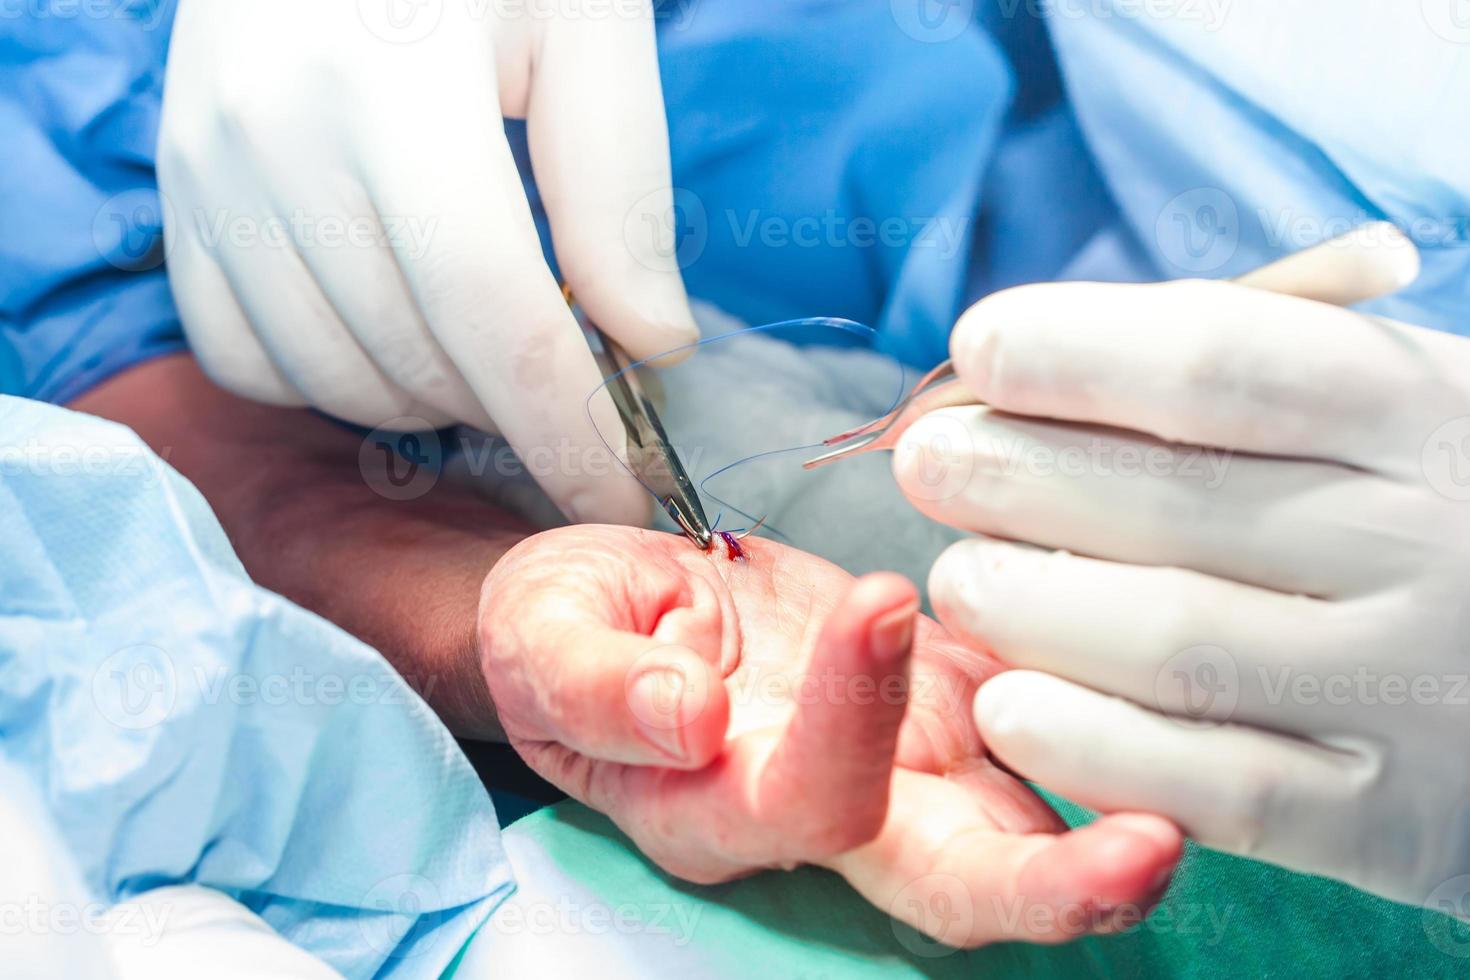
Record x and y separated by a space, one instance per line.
775 531
832 322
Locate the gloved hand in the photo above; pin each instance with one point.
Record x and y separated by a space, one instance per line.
734 716
1264 638
346 227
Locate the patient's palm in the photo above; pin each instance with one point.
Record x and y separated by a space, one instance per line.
930 828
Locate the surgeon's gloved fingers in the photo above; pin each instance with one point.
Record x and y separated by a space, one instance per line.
1372 260
628 698
965 884
302 333
1292 525
601 154
827 779
1188 644
219 334
491 302
1205 363
1239 789
361 279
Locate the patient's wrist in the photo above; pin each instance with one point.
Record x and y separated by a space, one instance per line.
286 485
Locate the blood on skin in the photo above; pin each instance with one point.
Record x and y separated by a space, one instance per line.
733 551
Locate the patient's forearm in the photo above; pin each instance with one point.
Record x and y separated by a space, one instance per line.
285 483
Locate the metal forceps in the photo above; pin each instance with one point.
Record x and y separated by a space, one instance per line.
1306 273
651 456
940 388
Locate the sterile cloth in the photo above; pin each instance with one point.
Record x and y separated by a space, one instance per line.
1232 132
170 933
184 726
593 905
48 928
753 393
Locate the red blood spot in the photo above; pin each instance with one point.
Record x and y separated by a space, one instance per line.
733 551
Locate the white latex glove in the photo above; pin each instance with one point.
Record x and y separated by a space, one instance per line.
346 227
1266 641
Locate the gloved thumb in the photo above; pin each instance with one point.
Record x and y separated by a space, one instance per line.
637 700
635 294
599 144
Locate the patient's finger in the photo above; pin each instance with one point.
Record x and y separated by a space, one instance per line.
820 786
829 772
942 866
623 697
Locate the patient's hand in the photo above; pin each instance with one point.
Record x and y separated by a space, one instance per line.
568 618
732 716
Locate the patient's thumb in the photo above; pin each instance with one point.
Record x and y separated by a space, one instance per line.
629 698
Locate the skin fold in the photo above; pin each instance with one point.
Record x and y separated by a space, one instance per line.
730 716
